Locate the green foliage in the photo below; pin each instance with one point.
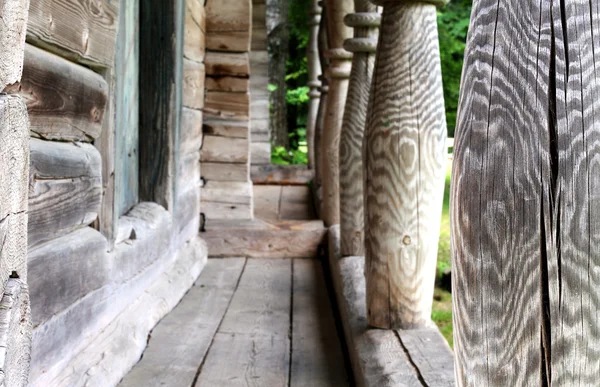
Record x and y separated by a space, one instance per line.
453 24
282 156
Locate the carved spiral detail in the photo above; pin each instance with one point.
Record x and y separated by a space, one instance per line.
363 19
437 3
368 45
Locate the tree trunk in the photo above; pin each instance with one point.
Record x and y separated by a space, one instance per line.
278 32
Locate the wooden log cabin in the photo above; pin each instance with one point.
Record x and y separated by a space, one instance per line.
146 240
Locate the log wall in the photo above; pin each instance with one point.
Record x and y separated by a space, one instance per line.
225 155
104 267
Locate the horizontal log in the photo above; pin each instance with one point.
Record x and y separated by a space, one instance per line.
260 125
14 153
215 210
230 41
234 106
196 9
260 136
224 149
65 189
224 63
66 269
281 174
227 192
190 136
193 84
260 153
259 39
83 31
259 15
228 15
226 83
65 101
259 108
12 40
226 128
224 171
194 41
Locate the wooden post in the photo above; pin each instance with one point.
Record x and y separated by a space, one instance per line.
525 204
366 22
314 72
338 74
404 161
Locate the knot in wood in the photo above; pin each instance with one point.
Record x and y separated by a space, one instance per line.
368 45
437 3
363 19
406 240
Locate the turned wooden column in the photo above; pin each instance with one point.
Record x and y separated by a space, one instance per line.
404 165
314 71
337 74
323 90
365 22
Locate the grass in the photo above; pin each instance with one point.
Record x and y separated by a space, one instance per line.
442 299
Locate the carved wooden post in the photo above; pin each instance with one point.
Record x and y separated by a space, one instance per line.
323 89
338 74
405 158
314 71
366 28
525 196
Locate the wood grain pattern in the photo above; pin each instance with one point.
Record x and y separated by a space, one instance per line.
64 101
190 138
227 83
229 41
15 334
365 23
14 157
224 171
187 331
195 38
65 189
338 73
193 84
226 128
83 31
127 64
12 40
230 106
405 158
232 64
281 174
228 15
224 149
524 202
314 71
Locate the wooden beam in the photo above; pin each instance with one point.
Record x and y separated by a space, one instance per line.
227 64
281 174
225 128
193 84
195 38
65 101
190 138
224 171
404 167
228 15
231 106
65 189
12 39
366 22
161 75
85 32
224 149
227 83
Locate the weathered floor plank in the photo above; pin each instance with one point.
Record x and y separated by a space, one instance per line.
266 201
316 351
180 341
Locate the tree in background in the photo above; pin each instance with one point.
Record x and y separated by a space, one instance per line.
278 31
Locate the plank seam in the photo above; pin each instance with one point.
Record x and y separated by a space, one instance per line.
219 326
411 361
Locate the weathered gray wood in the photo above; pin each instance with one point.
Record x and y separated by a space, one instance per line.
231 64
227 83
12 39
267 199
187 221
227 191
524 214
316 351
261 304
224 171
190 137
85 32
224 210
15 334
264 239
65 189
366 28
296 203
281 174
404 161
64 270
127 107
338 74
260 153
232 106
314 72
64 101
193 84
244 360
180 341
195 38
224 149
228 25
226 128
161 83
